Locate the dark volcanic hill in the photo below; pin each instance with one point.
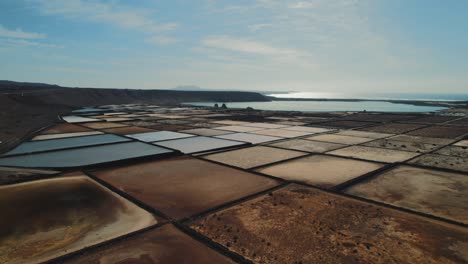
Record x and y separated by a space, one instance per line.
25 107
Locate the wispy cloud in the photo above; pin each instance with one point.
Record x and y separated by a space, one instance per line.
12 38
271 54
109 12
245 45
257 27
28 43
19 33
162 40
303 5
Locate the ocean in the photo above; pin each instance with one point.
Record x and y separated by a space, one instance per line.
375 96
329 106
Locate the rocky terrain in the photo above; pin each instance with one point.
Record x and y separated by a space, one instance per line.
26 107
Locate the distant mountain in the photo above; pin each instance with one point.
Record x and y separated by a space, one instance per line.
6 83
272 92
77 97
189 88
198 88
10 87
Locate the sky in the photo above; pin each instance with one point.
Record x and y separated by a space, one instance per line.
271 45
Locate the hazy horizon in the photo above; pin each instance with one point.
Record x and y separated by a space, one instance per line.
342 46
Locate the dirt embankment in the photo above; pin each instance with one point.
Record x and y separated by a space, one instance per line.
26 107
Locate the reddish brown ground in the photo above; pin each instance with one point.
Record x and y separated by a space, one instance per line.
165 244
182 187
299 224
393 128
64 128
346 124
440 132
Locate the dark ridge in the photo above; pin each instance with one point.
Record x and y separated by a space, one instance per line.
26 107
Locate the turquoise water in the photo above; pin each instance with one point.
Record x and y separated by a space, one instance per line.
328 106
375 96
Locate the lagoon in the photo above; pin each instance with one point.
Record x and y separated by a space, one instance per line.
327 106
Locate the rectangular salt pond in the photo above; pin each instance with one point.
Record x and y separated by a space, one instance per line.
236 128
159 136
308 129
78 119
250 138
321 170
85 156
375 154
253 157
198 144
45 219
281 133
429 191
183 186
206 132
64 143
65 135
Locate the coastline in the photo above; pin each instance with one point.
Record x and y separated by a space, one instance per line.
458 104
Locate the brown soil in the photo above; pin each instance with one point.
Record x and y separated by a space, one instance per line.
313 120
148 118
103 125
307 145
66 135
170 127
426 140
116 119
434 119
356 133
340 139
456 151
298 224
55 216
462 143
429 191
281 133
141 123
346 124
461 122
165 244
375 154
181 187
323 115
442 161
128 130
13 174
64 128
239 128
320 170
393 128
203 125
174 122
401 145
379 117
440 132
254 156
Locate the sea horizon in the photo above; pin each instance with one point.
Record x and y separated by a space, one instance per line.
373 96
